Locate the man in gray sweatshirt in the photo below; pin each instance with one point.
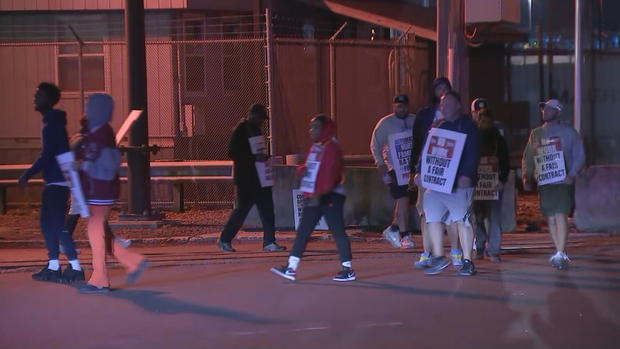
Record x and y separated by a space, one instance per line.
553 157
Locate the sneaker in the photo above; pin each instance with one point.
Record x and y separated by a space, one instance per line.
71 275
457 258
559 261
133 278
47 274
123 242
423 263
495 259
285 272
90 289
406 242
392 236
346 274
468 268
273 247
225 246
436 265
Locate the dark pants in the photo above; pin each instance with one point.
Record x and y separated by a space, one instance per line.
332 207
490 239
53 210
246 198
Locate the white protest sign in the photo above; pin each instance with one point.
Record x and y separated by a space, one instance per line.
298 206
400 145
488 179
313 164
131 118
258 145
66 161
440 159
550 166
265 173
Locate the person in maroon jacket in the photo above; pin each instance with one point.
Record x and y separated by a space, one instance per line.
99 161
321 182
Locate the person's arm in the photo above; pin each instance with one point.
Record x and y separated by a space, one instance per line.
377 143
238 148
503 158
330 172
471 157
419 135
527 163
578 155
47 152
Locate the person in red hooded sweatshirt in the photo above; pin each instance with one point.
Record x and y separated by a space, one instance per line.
321 182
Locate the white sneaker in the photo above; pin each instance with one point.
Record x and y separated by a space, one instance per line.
393 237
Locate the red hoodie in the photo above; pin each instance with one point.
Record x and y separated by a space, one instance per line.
328 152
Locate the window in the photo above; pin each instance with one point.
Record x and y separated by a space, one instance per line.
231 58
194 57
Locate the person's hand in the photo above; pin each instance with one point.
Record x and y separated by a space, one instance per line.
527 186
385 176
23 181
464 182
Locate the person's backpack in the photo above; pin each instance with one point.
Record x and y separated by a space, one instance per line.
106 166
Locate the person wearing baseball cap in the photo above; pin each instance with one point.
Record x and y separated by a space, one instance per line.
553 157
401 120
494 155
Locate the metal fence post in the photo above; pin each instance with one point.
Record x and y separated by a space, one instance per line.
270 76
332 71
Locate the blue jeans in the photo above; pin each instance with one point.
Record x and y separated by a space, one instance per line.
490 240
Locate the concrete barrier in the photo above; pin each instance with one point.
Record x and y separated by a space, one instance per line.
368 204
597 199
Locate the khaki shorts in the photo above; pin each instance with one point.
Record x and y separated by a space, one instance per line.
448 208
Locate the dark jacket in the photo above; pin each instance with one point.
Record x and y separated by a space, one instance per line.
492 143
90 150
423 121
471 151
240 153
54 141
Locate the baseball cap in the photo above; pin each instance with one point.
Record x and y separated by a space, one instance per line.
401 99
553 103
479 104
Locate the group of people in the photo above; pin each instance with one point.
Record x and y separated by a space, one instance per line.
552 159
97 161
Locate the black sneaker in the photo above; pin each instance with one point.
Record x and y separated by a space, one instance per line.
71 275
90 289
346 274
273 247
468 268
285 272
47 274
437 264
225 246
132 278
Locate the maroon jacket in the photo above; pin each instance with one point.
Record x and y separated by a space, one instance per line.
98 192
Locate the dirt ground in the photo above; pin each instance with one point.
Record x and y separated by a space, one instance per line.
23 223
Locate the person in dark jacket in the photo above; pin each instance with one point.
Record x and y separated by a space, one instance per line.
426 118
454 207
247 183
494 154
56 191
99 162
322 178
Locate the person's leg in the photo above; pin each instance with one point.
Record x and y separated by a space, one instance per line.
435 233
466 235
480 227
49 213
310 216
495 226
434 210
551 221
245 201
402 208
561 232
71 223
264 204
460 211
96 237
334 215
453 234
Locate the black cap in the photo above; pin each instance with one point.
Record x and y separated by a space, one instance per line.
259 110
401 99
479 104
442 81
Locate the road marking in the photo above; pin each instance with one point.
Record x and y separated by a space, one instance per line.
311 329
385 324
